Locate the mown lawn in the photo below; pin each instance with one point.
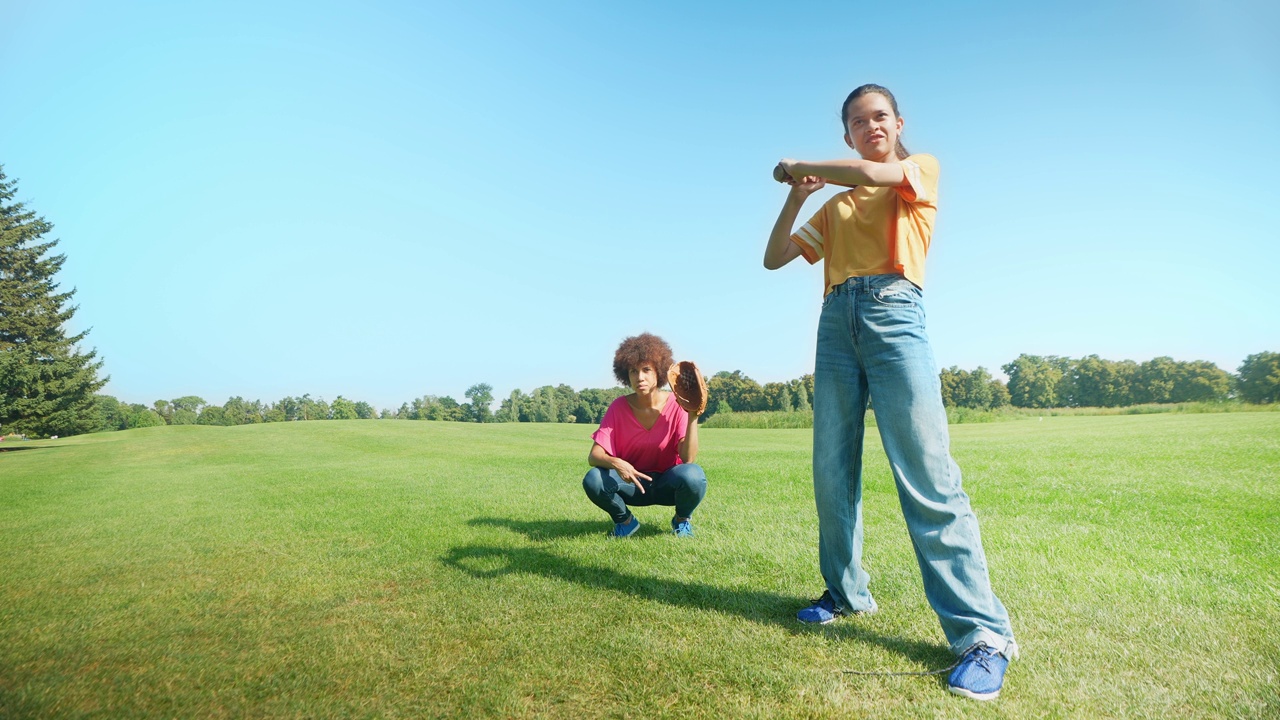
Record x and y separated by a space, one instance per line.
417 569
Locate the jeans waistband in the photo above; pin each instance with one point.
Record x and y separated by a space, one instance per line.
865 282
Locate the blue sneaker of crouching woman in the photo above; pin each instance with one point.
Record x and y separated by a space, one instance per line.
980 673
682 528
625 529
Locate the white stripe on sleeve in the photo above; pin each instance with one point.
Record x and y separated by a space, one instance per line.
912 169
811 237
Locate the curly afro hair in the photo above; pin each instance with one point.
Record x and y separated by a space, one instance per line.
638 349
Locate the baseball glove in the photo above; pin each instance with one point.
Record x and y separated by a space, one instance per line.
689 387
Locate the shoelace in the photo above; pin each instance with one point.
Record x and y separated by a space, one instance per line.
981 655
826 597
981 652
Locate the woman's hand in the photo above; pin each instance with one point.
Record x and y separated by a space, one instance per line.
630 474
807 185
603 460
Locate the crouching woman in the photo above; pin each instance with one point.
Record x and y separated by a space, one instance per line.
644 450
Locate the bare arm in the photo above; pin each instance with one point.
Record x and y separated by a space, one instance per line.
689 445
780 249
848 171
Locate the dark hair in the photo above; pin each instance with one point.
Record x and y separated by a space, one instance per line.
900 151
639 349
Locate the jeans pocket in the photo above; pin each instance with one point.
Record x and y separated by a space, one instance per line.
900 293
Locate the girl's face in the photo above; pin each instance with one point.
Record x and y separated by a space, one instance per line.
643 378
872 129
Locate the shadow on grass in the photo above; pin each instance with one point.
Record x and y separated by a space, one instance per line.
544 530
16 448
758 606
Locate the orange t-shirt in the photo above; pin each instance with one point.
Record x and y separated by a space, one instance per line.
875 230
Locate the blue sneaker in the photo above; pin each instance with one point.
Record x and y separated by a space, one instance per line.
822 611
682 528
980 673
625 529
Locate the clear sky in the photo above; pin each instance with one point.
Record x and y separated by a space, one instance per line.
390 199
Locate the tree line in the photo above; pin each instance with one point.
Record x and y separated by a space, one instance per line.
49 386
1034 382
1051 381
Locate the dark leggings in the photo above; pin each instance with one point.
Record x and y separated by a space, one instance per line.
682 486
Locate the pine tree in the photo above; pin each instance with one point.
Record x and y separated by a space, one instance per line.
47 385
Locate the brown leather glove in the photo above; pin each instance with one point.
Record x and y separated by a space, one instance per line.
689 387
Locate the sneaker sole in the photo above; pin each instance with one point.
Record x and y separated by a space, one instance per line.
982 697
854 613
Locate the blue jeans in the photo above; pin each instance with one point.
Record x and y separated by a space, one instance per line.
872 345
683 486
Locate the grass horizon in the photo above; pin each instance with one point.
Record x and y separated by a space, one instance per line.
370 569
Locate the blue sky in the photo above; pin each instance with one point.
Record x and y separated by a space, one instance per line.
386 200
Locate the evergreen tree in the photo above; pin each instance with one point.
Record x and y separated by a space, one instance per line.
802 400
47 384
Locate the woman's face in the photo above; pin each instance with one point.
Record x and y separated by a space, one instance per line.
643 378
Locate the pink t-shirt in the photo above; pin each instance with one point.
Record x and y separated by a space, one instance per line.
651 451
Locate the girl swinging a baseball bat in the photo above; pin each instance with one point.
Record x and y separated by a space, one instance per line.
872 241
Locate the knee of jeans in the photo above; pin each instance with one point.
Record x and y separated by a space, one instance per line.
593 482
691 476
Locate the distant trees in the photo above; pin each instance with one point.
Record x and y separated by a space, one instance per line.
481 397
557 403
735 390
593 402
777 396
977 389
1052 381
111 414
430 407
47 384
1260 378
186 410
343 409
1034 382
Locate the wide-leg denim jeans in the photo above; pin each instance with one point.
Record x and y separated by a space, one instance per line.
683 487
872 345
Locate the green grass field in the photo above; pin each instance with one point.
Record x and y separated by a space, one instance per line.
416 569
